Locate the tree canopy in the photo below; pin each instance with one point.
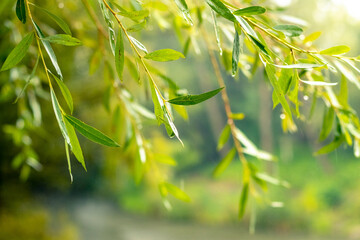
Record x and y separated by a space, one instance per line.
239 38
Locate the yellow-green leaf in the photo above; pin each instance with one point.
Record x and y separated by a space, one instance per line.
224 137
164 55
253 10
119 55
338 50
220 168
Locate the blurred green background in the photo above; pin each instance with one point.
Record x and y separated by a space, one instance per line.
323 201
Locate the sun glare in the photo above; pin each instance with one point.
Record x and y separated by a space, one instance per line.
351 6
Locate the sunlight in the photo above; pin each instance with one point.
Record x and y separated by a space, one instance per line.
352 7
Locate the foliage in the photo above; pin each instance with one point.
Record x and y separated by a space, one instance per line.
247 38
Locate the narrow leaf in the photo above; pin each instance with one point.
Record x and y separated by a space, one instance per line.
318 83
90 132
68 160
74 143
217 32
181 4
63 39
59 117
21 10
164 55
330 147
18 53
135 15
243 199
253 10
289 30
327 125
221 9
224 137
65 92
220 168
194 99
119 55
271 73
62 24
138 44
299 66
49 50
177 192
235 53
338 50
312 37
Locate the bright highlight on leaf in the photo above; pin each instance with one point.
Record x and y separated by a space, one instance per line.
338 50
18 53
318 83
221 9
194 99
164 55
90 132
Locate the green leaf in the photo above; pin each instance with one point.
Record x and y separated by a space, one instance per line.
246 27
235 53
289 30
138 44
312 37
327 125
90 132
331 147
243 199
318 83
74 143
272 180
164 55
63 39
217 31
237 116
194 99
253 10
49 50
259 45
67 130
181 4
164 159
68 160
271 73
220 168
62 24
224 137
135 15
221 9
65 92
18 53
300 66
137 27
176 192
161 113
21 10
338 50
119 55
59 117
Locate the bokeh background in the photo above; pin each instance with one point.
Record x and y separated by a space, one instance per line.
323 201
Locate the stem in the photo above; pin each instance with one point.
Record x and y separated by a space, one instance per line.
135 50
289 45
227 106
94 18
